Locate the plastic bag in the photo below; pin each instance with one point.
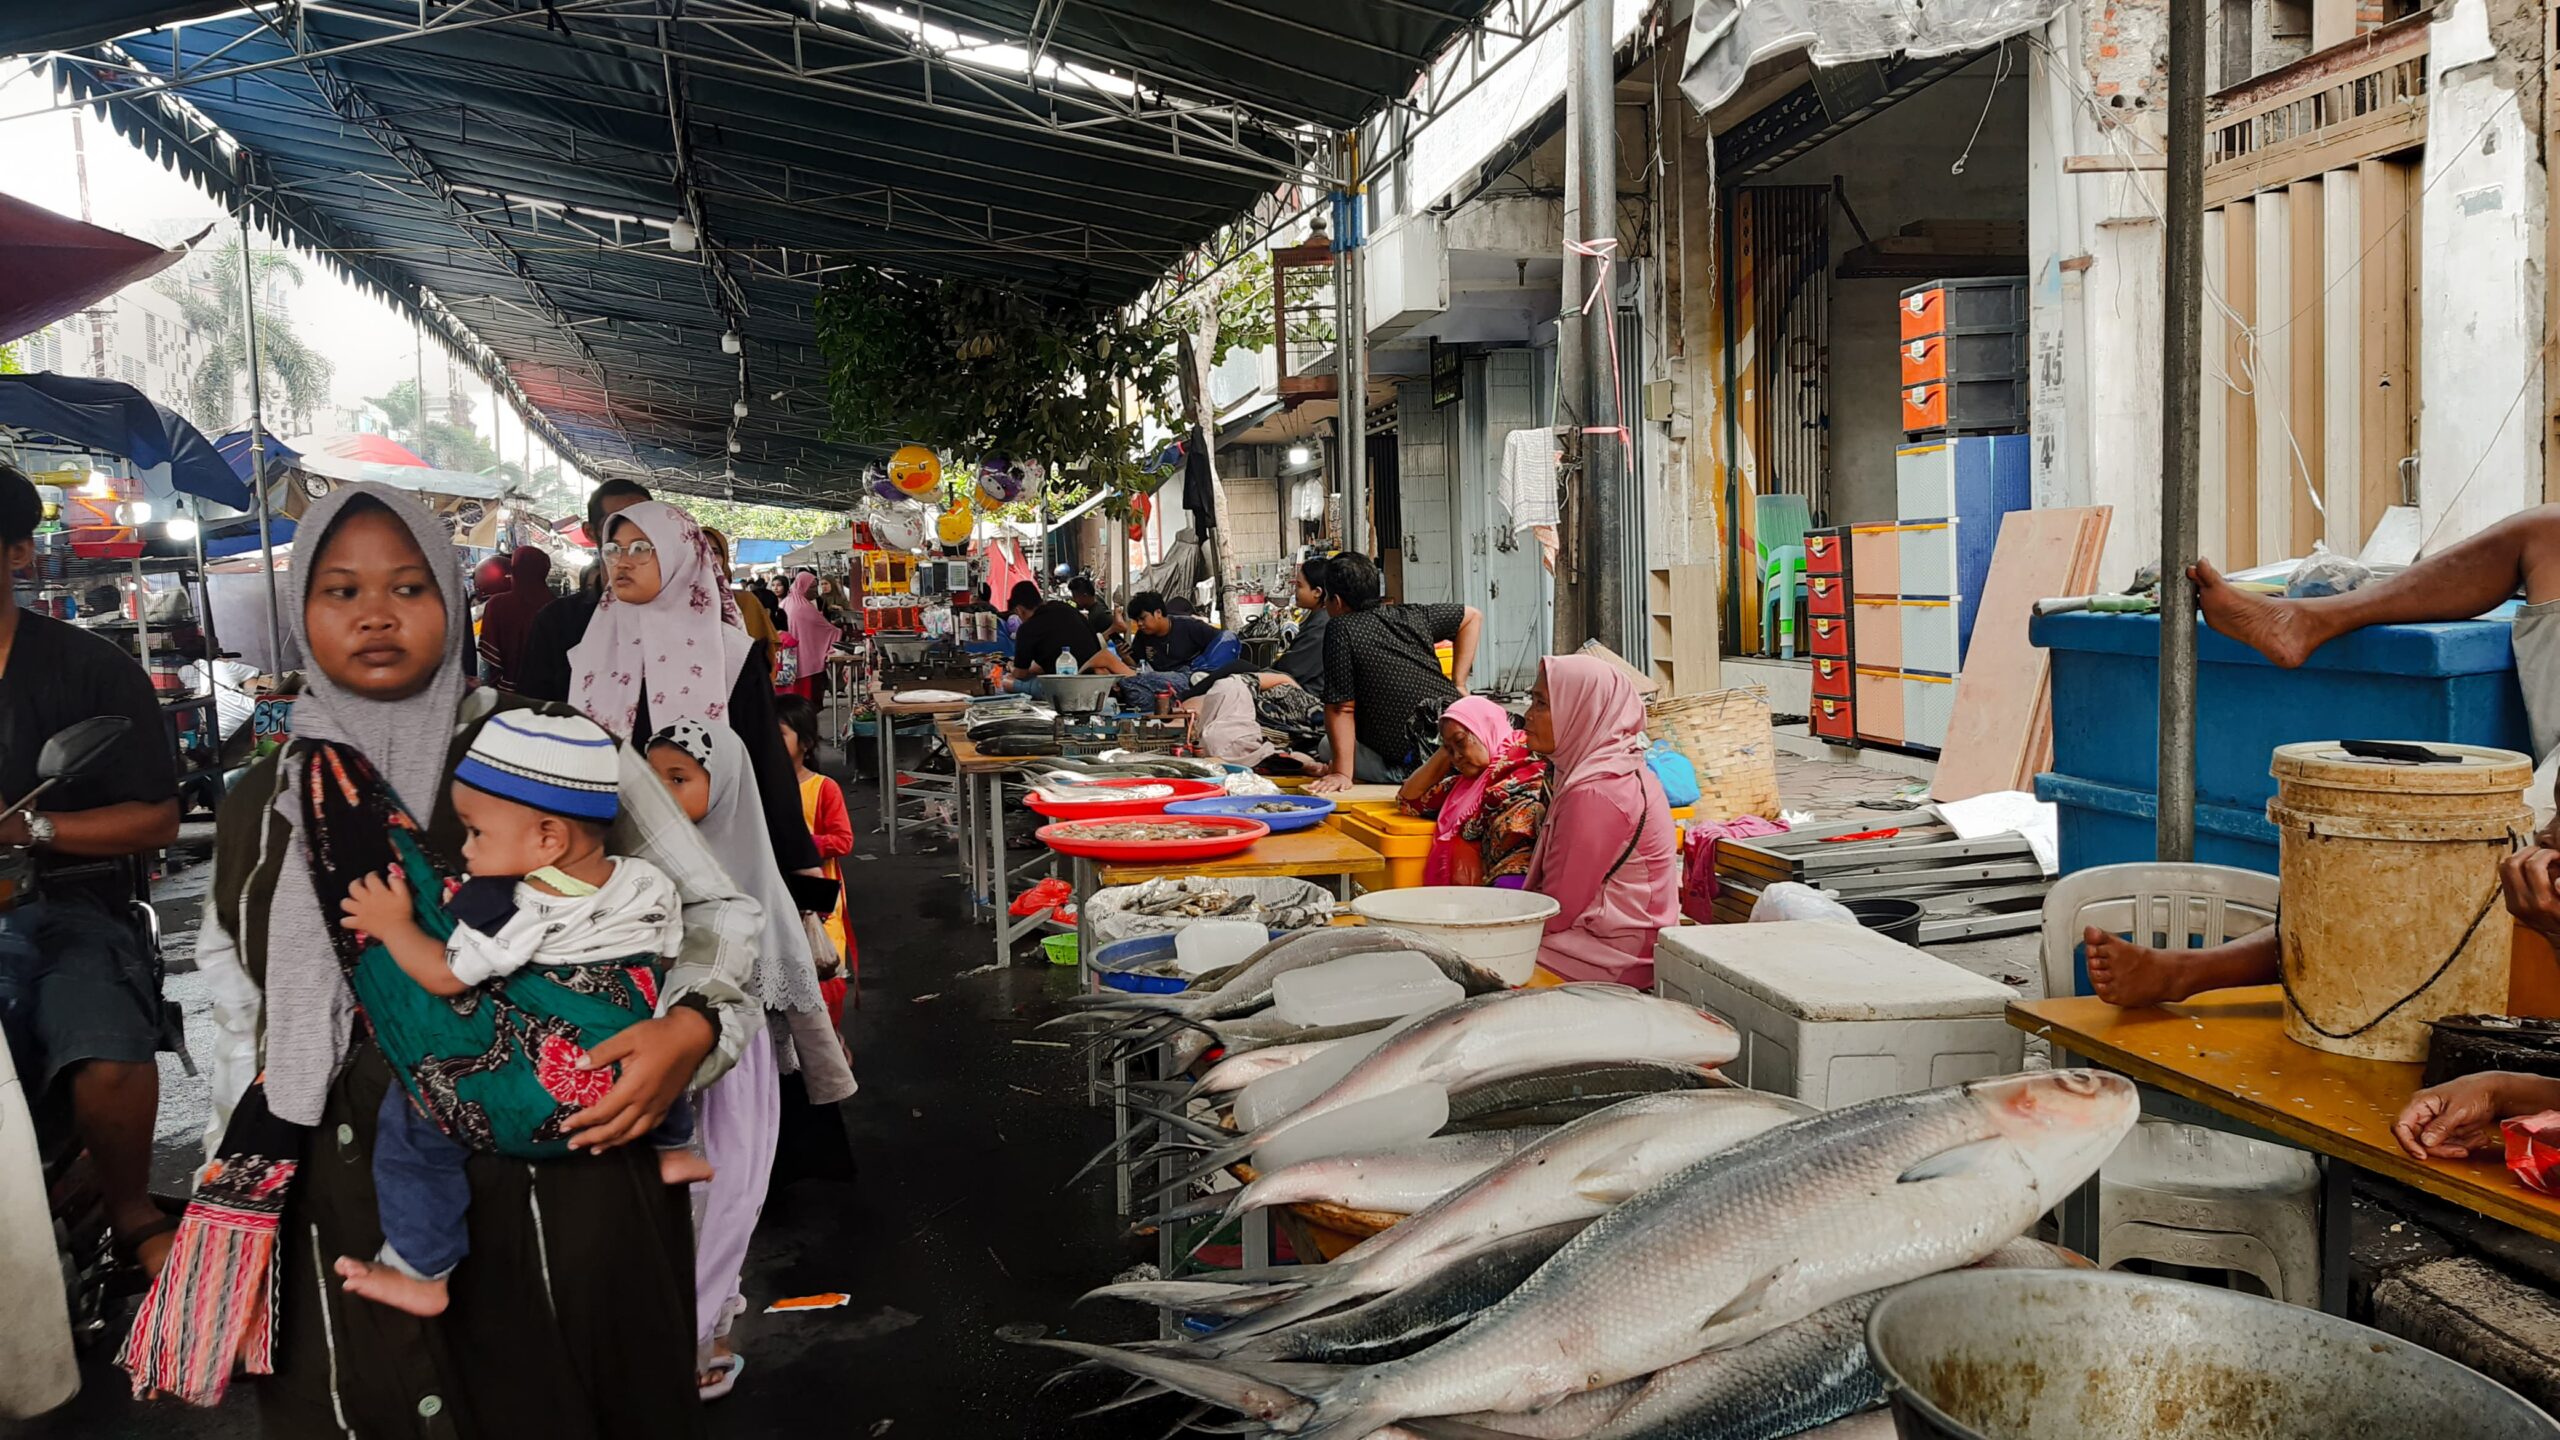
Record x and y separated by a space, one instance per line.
1788 900
1679 778
2325 573
2533 1149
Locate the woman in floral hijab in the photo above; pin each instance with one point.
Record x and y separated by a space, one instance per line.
667 645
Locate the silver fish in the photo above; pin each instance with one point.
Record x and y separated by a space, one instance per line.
1509 1033
1396 1182
1730 1249
1404 1321
1573 1174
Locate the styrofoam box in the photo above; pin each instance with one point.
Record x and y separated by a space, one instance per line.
1834 1014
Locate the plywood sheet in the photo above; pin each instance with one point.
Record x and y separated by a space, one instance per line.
2001 726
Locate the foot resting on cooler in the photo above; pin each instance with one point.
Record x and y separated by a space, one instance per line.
384 1285
2271 625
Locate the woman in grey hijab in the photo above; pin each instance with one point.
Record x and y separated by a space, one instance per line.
575 1316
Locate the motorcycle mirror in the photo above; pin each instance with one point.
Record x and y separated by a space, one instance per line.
78 750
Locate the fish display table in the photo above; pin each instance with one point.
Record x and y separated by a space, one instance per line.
981 780
885 730
2222 1061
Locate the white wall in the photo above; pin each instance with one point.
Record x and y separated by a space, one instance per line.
1897 167
2480 286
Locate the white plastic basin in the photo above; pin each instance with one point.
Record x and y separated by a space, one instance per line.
1497 929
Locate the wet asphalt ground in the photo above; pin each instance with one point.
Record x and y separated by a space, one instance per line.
951 1225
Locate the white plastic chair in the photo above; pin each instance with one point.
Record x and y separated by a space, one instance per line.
2182 1194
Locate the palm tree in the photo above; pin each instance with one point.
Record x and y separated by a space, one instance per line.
294 378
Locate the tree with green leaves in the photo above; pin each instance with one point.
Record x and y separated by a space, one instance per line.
293 376
741 521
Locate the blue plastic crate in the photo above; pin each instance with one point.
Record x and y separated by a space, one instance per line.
2446 683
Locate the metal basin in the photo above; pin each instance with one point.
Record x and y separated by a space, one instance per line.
1075 694
2098 1355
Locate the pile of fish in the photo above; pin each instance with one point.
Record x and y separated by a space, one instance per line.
1600 1240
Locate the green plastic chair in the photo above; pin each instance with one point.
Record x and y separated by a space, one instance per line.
1778 526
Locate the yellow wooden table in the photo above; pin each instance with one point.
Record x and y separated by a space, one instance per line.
2223 1061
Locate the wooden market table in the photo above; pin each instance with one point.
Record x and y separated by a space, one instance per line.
2223 1061
885 727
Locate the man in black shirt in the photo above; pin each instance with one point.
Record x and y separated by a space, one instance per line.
78 988
1379 668
543 673
1105 620
1169 642
1051 626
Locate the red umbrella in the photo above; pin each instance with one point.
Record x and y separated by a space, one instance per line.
52 265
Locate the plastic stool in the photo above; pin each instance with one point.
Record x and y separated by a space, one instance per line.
2182 1194
1783 588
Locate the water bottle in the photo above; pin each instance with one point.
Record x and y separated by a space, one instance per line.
1066 663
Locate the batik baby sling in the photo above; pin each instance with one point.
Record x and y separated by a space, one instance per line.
496 1068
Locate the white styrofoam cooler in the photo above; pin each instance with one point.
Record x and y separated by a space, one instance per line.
1834 1014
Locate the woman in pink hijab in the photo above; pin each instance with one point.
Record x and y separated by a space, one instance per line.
1606 853
1486 791
809 631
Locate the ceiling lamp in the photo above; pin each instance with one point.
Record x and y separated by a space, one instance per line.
1300 455
681 236
729 342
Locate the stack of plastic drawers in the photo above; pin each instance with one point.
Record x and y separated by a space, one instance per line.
1827 582
1916 580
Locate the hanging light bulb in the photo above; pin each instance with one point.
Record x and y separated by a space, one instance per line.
736 445
729 342
681 236
1300 454
181 528
739 409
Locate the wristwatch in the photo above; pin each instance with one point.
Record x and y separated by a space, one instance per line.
39 832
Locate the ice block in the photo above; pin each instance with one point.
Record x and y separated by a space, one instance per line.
1355 988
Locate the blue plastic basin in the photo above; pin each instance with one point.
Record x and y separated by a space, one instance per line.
1311 809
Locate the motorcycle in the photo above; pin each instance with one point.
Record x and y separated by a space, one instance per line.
56 1253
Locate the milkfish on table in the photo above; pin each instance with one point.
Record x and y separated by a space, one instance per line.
1399 1181
1729 1249
1569 1092
1575 1173
1510 1032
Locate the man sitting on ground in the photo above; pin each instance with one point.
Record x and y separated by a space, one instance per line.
1052 626
1380 668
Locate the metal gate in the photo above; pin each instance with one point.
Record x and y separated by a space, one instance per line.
1785 231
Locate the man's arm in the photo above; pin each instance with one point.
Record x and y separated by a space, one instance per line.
1462 649
1104 662
130 828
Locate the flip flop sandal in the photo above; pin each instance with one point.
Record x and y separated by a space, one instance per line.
730 1368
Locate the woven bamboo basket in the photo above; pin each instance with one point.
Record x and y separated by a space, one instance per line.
1727 737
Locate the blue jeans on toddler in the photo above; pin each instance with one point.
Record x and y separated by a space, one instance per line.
425 1199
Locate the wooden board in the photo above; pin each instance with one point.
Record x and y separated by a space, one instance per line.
1307 854
2000 724
2227 1051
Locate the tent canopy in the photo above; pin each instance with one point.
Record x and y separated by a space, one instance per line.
598 192
112 418
51 265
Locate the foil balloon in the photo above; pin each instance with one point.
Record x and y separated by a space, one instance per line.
875 481
1000 482
915 470
956 525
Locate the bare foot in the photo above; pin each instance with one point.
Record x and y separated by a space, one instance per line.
2271 625
682 1167
2129 975
385 1286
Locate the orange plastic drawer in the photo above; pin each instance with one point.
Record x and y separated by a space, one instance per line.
1875 560
1923 360
1879 706
1924 407
1831 678
1825 553
1826 595
1830 637
1924 312
1834 719
1877 624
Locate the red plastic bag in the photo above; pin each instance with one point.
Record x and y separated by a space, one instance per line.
2533 1149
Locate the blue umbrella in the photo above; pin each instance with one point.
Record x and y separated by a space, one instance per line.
112 418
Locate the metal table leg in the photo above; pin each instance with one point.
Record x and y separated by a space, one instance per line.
998 878
885 733
2337 1233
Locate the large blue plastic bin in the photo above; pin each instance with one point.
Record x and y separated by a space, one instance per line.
2451 683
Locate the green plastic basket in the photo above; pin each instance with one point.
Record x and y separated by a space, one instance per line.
1061 948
